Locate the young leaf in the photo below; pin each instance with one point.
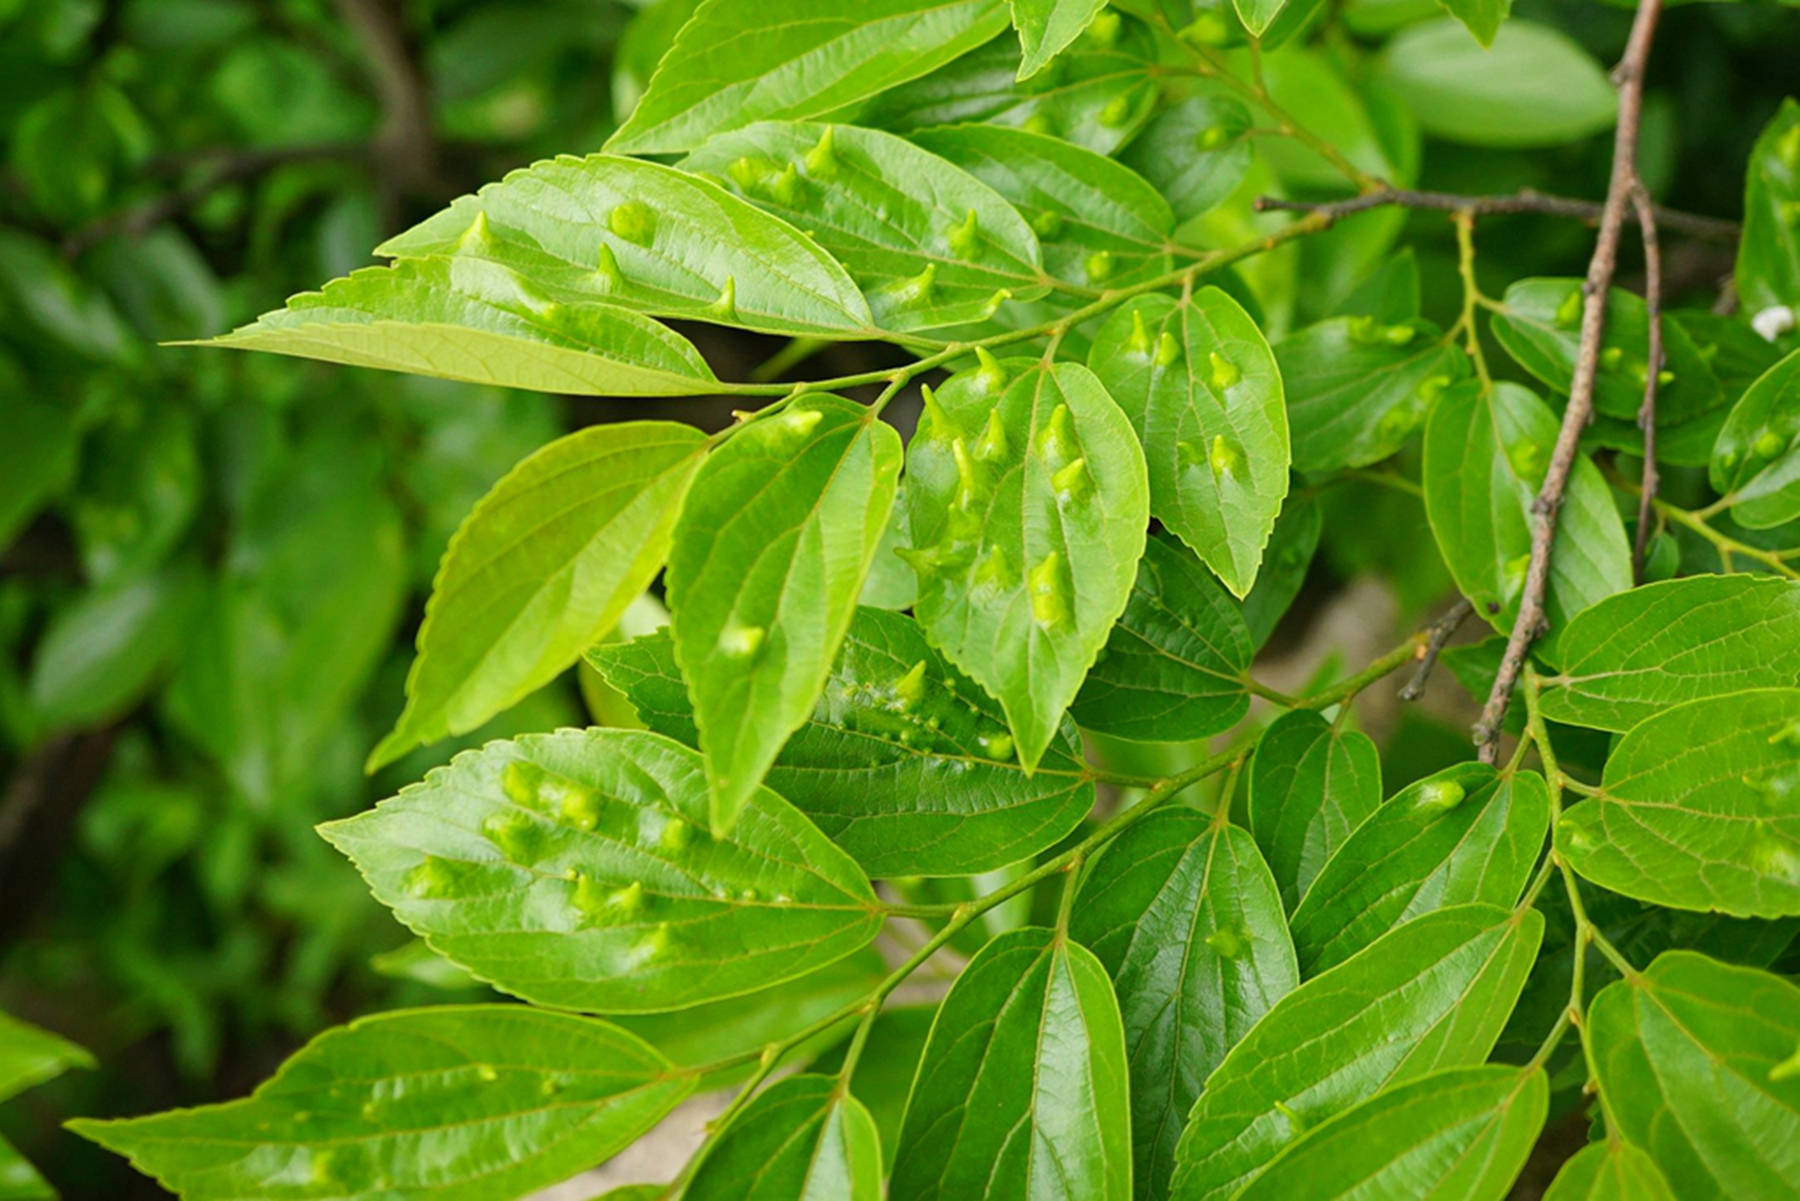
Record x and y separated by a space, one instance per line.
1613 1170
1699 808
1099 224
1175 665
1358 388
1202 390
1768 258
1258 15
1022 1089
1184 915
19 1181
1756 461
904 762
1540 327
1028 504
1433 993
29 1056
1457 1135
1046 27
488 321
1693 1059
543 566
770 552
1195 152
1463 834
638 235
1640 652
1485 458
735 64
1285 563
928 243
463 1103
885 1072
1311 784
802 1138
575 869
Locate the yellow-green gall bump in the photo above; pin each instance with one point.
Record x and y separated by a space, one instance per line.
1099 266
519 781
1117 111
996 745
434 878
937 424
1047 223
479 237
1139 339
1768 444
1039 122
606 269
633 221
514 833
725 307
1049 594
993 573
991 446
990 377
1439 796
795 423
1227 942
1612 358
1168 350
1223 457
919 288
1056 444
909 689
1213 137
1224 372
581 809
676 835
1568 313
741 642
821 160
965 239
1072 482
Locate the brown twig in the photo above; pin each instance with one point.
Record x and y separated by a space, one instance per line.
1646 214
407 141
1439 633
1628 76
1527 200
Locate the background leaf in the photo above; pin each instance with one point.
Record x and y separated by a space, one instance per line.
1768 261
1357 388
1195 152
1756 460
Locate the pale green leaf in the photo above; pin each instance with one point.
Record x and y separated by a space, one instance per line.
737 63
1022 1088
1756 460
29 1056
1358 388
1482 17
1693 1059
802 1139
1433 993
19 1181
1201 388
904 762
462 1103
1768 259
637 235
1184 915
1613 1170
544 565
1311 784
1028 504
485 320
1046 27
1640 652
1463 834
1194 152
1457 1135
575 869
928 243
1699 808
770 553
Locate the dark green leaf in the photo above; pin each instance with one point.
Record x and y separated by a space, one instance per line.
1285 563
1184 915
1311 784
904 762
462 1103
1195 152
38 456
1461 835
1201 388
770 552
1022 1089
1768 260
1699 808
29 1056
1388 295
1756 461
801 1138
1613 1170
575 869
1358 388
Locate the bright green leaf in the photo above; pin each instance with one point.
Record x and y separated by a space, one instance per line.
1483 17
801 1139
1311 784
1768 259
1258 15
1756 461
1046 27
19 1181
29 1056
1613 1170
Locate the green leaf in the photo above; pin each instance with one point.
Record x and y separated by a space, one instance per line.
1258 15
903 762
1532 86
801 1138
37 459
1694 1059
574 869
1285 563
1022 1089
1756 461
1482 17
462 1103
1201 388
105 650
19 1181
1184 915
1432 994
1028 502
1099 223
29 1056
543 566
1699 808
1358 388
1640 652
1195 152
1485 458
637 235
1046 27
1463 834
1388 294
1311 784
486 320
1768 259
736 64
770 553
1458 1135
1613 1170
1175 665
884 1074
928 243
1540 327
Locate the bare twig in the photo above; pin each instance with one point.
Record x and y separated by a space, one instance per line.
1439 633
1629 78
1646 214
1527 200
407 143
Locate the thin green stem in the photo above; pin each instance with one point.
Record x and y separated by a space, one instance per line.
1726 545
1387 665
1465 268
